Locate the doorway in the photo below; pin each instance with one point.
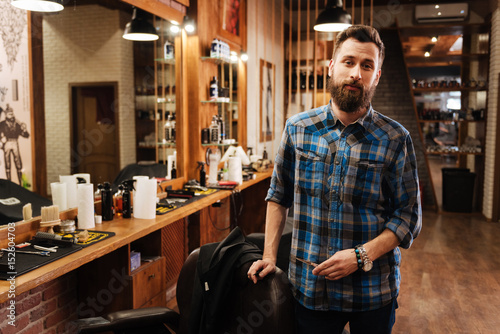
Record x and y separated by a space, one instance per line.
95 141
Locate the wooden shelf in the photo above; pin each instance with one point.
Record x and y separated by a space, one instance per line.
444 29
454 89
453 153
448 120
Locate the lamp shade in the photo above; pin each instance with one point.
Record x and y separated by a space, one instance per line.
140 29
39 5
333 18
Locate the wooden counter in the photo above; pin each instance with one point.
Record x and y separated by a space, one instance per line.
126 230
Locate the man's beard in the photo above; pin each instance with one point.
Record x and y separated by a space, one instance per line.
347 100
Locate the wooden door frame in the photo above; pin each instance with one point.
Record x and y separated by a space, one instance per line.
72 104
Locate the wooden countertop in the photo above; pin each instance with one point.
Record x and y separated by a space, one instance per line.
126 230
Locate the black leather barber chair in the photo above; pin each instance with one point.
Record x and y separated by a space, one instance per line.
266 307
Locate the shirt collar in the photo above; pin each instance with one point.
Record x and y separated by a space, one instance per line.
365 121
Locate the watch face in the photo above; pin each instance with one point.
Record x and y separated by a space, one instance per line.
368 266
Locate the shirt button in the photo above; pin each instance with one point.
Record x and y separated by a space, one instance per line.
337 162
330 248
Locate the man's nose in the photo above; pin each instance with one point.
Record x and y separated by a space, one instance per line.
356 73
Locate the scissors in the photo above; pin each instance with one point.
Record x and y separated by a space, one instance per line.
42 253
307 262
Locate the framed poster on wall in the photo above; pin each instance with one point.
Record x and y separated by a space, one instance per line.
15 111
231 20
267 87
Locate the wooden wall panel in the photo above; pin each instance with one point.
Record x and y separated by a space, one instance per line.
174 249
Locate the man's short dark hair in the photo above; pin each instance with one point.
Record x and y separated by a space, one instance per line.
362 33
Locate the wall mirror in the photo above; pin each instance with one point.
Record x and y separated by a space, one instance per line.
107 99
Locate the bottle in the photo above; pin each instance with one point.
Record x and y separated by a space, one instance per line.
214 89
168 50
172 129
214 48
173 172
128 185
97 194
203 174
107 202
168 129
222 129
118 201
214 131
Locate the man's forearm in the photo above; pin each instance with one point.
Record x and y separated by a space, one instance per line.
382 244
275 223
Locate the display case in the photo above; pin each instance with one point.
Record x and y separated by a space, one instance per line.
449 80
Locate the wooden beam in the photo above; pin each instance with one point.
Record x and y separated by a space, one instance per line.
37 104
159 9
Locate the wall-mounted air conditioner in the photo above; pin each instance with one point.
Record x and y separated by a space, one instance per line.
441 12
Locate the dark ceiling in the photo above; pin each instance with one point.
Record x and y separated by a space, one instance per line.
482 7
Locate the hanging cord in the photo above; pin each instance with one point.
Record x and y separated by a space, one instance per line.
213 223
234 194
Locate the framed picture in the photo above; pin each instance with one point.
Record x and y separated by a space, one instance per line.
267 84
232 15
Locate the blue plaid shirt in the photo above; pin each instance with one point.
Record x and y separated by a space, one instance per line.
347 185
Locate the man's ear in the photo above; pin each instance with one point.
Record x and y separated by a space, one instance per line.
377 79
330 67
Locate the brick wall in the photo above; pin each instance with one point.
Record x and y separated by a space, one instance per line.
80 46
492 115
393 99
46 309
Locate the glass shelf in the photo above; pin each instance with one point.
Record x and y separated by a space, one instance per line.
216 60
222 145
166 144
165 61
163 100
220 102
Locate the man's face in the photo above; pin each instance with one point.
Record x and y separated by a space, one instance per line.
9 116
354 75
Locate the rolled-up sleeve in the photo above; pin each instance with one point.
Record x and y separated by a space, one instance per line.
281 190
406 218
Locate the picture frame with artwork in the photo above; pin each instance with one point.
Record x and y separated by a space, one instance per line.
267 103
230 21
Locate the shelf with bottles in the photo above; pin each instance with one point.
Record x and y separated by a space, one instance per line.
463 116
306 81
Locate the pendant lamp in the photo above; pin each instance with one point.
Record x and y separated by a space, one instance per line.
39 5
333 18
140 29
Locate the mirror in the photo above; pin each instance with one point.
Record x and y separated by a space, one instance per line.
105 97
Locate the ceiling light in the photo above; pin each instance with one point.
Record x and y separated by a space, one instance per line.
243 56
140 29
333 18
427 54
39 5
188 24
434 39
234 56
174 29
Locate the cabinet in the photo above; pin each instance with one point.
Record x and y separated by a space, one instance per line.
448 69
108 284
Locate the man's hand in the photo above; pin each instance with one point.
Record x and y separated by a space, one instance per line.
339 265
259 269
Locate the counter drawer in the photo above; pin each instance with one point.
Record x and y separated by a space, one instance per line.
147 282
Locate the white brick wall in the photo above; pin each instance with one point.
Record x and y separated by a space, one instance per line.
85 45
492 115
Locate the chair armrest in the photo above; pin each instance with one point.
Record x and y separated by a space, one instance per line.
134 318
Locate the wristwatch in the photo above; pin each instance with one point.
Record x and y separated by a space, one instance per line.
364 261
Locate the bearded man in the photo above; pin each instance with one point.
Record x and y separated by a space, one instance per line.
350 174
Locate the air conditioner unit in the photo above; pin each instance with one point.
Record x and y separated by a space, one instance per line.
441 12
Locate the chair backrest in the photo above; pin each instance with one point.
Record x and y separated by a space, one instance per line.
265 307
